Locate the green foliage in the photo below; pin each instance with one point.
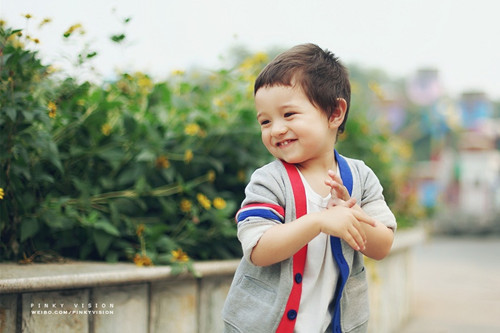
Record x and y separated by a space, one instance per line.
134 169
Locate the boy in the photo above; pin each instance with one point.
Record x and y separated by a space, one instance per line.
302 232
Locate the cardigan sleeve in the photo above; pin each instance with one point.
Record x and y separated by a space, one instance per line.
372 198
262 208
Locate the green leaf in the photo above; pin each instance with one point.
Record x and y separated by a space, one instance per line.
118 38
11 112
145 156
102 241
107 227
29 227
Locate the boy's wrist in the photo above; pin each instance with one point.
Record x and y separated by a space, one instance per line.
314 220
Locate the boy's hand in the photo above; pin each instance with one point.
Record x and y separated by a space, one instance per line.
345 223
339 193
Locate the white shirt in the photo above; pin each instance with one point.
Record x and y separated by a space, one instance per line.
320 275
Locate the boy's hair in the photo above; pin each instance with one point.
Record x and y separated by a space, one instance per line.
318 72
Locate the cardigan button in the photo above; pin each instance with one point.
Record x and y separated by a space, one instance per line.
291 314
298 278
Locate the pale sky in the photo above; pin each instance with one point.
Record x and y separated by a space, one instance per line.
457 37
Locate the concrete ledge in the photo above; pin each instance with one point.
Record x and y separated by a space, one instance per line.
405 239
16 278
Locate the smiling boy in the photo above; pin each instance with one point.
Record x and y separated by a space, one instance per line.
309 216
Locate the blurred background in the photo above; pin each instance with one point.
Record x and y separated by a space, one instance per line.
128 133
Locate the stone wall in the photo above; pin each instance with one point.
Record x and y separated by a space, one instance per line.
99 297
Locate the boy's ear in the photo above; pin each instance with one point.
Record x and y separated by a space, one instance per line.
338 114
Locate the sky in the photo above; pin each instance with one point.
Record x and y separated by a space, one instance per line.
459 38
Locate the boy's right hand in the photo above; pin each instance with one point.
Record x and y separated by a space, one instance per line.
345 223
339 194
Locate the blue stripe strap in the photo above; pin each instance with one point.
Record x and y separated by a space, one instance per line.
336 245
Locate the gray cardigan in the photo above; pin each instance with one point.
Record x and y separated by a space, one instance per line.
258 295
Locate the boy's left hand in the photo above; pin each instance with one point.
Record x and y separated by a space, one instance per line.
339 193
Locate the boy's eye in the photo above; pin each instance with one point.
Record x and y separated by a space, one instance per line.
289 114
264 122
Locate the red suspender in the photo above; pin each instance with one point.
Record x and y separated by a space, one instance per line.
299 259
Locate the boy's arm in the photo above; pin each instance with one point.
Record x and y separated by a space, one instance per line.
378 239
282 241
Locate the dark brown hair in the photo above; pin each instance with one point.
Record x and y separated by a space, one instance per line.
318 72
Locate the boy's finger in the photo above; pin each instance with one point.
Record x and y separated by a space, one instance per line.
359 239
351 202
337 178
365 218
349 238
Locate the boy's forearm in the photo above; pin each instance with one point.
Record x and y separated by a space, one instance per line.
378 239
284 240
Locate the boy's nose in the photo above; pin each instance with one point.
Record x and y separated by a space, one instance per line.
279 129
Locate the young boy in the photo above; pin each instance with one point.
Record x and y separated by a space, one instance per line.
309 216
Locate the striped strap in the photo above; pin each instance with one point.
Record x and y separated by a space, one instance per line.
299 259
336 245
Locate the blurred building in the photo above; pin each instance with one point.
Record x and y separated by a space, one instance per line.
456 174
471 195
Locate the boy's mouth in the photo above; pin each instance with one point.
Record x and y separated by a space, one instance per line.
284 143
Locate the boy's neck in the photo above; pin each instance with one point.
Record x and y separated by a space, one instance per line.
316 172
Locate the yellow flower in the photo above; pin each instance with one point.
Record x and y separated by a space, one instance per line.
192 129
162 162
377 89
177 72
140 229
28 16
51 69
385 157
365 129
261 57
106 129
52 109
142 260
74 28
204 201
223 114
180 255
2 193
405 150
188 156
211 176
145 84
377 148
44 22
218 101
34 40
219 203
186 205
242 176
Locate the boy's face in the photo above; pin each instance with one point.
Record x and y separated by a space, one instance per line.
293 129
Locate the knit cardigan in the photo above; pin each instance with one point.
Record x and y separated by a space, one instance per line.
264 299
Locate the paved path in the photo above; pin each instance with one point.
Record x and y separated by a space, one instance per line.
457 286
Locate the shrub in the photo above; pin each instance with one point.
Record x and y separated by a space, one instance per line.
131 170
